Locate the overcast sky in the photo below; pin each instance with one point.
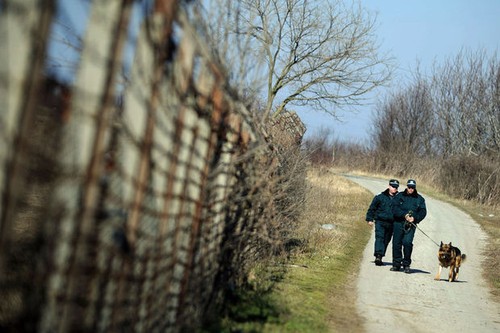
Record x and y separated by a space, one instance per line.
423 30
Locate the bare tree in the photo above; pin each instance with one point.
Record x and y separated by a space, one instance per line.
220 21
465 96
319 54
492 109
450 121
385 130
403 122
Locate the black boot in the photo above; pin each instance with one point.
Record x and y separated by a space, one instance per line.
378 260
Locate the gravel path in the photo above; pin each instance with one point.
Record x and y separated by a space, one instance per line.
399 302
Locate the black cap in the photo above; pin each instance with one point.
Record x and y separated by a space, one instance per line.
394 183
411 183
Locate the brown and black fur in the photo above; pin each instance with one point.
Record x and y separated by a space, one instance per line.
449 256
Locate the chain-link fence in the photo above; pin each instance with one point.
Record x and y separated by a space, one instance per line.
126 207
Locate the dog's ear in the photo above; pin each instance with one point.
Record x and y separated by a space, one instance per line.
450 243
441 243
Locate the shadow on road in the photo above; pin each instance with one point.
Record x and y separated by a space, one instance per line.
413 270
446 280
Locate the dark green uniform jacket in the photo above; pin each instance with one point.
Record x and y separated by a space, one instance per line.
413 203
381 208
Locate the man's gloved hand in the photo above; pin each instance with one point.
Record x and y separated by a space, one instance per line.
409 217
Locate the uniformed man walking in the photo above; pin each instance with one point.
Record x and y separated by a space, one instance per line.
409 210
380 214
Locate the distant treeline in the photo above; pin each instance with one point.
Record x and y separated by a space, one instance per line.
443 127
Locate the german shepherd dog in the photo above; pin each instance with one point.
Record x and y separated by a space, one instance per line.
449 256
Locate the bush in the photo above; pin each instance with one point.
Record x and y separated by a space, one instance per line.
471 178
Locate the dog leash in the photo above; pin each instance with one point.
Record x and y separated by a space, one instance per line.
416 226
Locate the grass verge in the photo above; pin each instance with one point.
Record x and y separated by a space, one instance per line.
314 290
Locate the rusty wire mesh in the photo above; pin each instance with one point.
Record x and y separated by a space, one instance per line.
126 209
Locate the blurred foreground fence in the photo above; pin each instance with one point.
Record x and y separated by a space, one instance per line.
127 207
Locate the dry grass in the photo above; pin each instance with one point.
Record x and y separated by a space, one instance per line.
336 200
331 200
318 293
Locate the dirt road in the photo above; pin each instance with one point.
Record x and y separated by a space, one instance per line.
399 302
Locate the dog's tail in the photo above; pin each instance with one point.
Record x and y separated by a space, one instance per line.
463 257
